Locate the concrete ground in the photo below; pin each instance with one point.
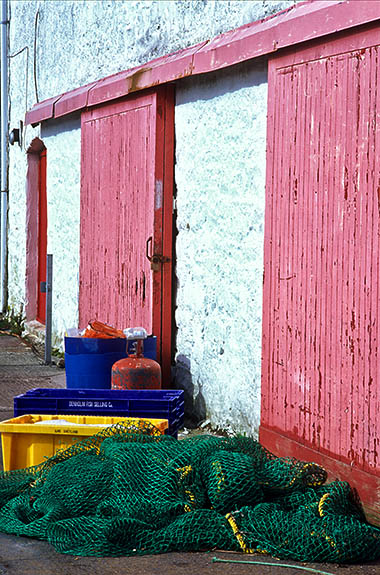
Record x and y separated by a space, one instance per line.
21 370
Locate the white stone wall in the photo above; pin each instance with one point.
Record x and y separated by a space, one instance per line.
78 41
62 140
17 230
220 177
58 45
18 103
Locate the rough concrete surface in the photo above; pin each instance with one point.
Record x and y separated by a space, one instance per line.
20 370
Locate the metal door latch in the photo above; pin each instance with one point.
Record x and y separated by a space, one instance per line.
155 259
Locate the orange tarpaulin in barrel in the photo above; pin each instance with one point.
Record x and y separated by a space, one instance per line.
101 330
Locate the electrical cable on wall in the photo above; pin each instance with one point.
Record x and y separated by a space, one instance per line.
35 53
25 48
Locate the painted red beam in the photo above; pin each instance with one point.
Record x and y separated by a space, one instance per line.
72 101
159 71
171 67
300 23
41 111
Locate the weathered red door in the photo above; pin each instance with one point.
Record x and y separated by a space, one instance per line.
42 236
126 215
321 316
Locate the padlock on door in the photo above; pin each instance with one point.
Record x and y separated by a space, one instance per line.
155 259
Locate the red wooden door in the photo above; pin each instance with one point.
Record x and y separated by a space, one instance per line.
321 316
126 215
42 236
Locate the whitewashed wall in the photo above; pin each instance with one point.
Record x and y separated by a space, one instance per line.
220 140
62 140
220 176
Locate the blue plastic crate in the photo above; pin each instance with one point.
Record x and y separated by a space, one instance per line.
150 403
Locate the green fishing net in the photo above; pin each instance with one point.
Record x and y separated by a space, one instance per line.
124 492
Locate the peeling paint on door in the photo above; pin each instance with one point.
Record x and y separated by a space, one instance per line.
321 327
125 158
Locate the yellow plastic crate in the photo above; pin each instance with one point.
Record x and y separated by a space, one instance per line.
25 444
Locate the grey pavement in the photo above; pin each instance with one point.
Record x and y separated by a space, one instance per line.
20 370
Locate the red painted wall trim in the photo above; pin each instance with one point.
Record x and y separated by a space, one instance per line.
303 22
72 101
41 111
366 484
159 71
307 21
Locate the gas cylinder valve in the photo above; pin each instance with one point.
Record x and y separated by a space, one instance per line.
135 333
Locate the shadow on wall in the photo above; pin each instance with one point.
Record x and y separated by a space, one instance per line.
195 407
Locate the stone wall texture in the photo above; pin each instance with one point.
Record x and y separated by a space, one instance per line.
220 176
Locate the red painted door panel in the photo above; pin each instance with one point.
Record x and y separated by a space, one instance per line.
321 314
42 236
126 191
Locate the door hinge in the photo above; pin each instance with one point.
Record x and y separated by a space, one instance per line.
174 205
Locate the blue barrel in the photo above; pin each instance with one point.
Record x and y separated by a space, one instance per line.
89 361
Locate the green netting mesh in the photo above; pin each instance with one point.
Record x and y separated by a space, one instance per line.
124 492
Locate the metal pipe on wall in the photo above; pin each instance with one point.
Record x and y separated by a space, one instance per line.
4 150
49 307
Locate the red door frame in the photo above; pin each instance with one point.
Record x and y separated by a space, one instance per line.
42 237
163 215
32 286
164 219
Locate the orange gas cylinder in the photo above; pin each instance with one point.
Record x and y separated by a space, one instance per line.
136 371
